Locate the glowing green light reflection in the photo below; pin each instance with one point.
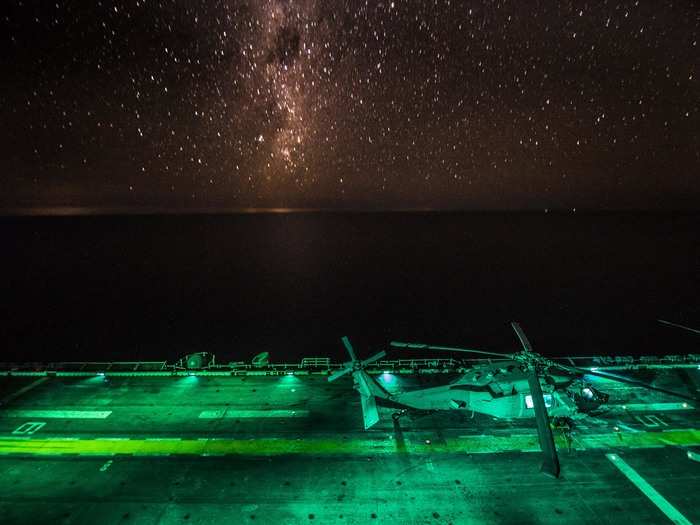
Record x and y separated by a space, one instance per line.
388 379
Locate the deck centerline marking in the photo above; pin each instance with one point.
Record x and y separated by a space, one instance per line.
251 414
650 492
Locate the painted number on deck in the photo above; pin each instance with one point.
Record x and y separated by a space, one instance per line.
651 421
28 428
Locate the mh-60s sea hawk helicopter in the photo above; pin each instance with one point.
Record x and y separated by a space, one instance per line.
523 384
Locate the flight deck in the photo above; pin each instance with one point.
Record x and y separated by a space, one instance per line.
149 443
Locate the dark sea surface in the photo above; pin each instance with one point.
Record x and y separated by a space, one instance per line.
158 287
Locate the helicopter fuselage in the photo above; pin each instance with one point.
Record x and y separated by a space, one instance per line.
497 391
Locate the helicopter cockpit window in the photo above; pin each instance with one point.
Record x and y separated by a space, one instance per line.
547 401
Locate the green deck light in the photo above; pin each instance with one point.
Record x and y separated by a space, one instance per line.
190 380
289 378
97 379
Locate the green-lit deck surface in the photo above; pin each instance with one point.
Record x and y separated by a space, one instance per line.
292 450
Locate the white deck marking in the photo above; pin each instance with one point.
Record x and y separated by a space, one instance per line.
244 414
106 465
650 492
29 427
651 421
65 414
656 407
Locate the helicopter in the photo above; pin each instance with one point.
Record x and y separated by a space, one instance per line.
518 385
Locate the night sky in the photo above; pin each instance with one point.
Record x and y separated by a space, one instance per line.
217 104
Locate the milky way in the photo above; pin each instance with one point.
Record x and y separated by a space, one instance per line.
219 104
284 53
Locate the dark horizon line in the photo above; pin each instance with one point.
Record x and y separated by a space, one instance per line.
77 211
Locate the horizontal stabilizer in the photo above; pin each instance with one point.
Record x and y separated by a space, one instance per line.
370 414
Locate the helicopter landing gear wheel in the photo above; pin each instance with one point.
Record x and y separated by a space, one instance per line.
397 415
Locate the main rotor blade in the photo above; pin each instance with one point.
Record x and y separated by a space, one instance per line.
521 335
669 323
635 382
422 346
339 373
349 348
374 358
550 463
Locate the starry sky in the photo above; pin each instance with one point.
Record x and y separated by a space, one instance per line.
220 104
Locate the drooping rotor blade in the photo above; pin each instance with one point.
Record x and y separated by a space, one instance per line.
349 348
550 463
614 377
339 373
669 323
635 382
374 358
521 335
422 346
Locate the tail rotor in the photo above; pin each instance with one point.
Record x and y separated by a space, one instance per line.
364 384
355 364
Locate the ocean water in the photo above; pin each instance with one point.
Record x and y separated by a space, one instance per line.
157 287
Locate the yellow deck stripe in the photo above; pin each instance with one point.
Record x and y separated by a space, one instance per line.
317 445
